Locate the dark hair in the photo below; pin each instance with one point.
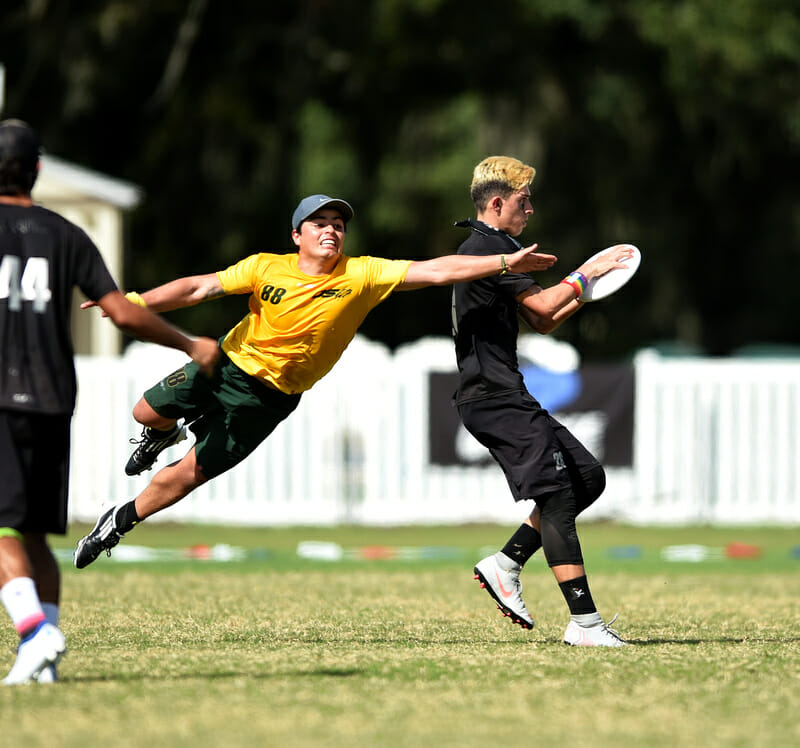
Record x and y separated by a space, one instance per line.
483 191
19 157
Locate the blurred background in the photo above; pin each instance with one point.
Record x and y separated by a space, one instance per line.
670 124
182 133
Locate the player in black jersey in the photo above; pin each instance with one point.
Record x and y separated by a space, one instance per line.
541 459
42 257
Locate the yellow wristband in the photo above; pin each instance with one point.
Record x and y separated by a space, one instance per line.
134 298
503 265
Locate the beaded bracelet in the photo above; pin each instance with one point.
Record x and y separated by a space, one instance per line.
577 281
135 298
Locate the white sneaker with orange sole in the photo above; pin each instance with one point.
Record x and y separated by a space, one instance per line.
506 589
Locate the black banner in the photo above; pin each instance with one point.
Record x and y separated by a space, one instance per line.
594 402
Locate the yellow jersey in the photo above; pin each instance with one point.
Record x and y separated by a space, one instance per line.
299 325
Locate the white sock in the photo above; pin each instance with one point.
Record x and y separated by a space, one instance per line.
22 603
587 620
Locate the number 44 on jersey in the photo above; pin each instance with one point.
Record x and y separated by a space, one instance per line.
31 284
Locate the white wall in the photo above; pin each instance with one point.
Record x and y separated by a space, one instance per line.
97 203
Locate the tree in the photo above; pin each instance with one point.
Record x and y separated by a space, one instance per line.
672 124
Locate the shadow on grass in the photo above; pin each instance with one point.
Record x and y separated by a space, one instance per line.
718 640
134 677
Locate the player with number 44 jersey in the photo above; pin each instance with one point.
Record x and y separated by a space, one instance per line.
43 257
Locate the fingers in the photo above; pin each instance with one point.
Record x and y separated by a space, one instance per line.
90 304
620 253
545 260
611 260
532 264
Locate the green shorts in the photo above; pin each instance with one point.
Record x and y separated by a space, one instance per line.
230 413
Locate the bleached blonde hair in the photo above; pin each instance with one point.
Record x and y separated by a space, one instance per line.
498 175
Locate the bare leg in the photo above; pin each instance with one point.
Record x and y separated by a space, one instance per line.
145 415
535 519
14 560
169 485
45 567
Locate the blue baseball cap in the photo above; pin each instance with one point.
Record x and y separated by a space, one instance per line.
311 204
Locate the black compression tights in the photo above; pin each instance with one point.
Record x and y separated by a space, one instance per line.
559 535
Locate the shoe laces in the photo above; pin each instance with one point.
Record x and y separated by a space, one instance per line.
142 440
613 632
513 575
112 541
148 438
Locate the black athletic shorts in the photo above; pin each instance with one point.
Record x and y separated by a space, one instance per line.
34 471
536 452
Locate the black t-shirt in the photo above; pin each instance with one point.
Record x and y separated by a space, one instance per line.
485 324
42 257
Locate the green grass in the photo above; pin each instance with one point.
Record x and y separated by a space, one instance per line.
276 650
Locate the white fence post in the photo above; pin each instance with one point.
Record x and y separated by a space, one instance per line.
717 441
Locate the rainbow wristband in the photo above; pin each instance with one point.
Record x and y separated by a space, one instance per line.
134 298
577 281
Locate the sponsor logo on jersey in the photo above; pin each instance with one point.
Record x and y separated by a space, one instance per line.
332 293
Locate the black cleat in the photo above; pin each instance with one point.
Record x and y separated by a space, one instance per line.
151 445
103 537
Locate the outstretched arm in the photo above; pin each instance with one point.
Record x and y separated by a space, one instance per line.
177 294
183 292
141 324
441 271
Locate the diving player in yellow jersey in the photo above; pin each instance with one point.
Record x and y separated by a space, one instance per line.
304 309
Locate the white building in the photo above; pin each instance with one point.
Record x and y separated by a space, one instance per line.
97 203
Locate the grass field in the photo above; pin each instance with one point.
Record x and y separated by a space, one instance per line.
273 649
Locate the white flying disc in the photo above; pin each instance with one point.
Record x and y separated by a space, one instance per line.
613 280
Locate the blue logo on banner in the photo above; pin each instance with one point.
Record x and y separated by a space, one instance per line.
554 390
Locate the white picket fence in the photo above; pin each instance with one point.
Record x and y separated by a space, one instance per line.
715 441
